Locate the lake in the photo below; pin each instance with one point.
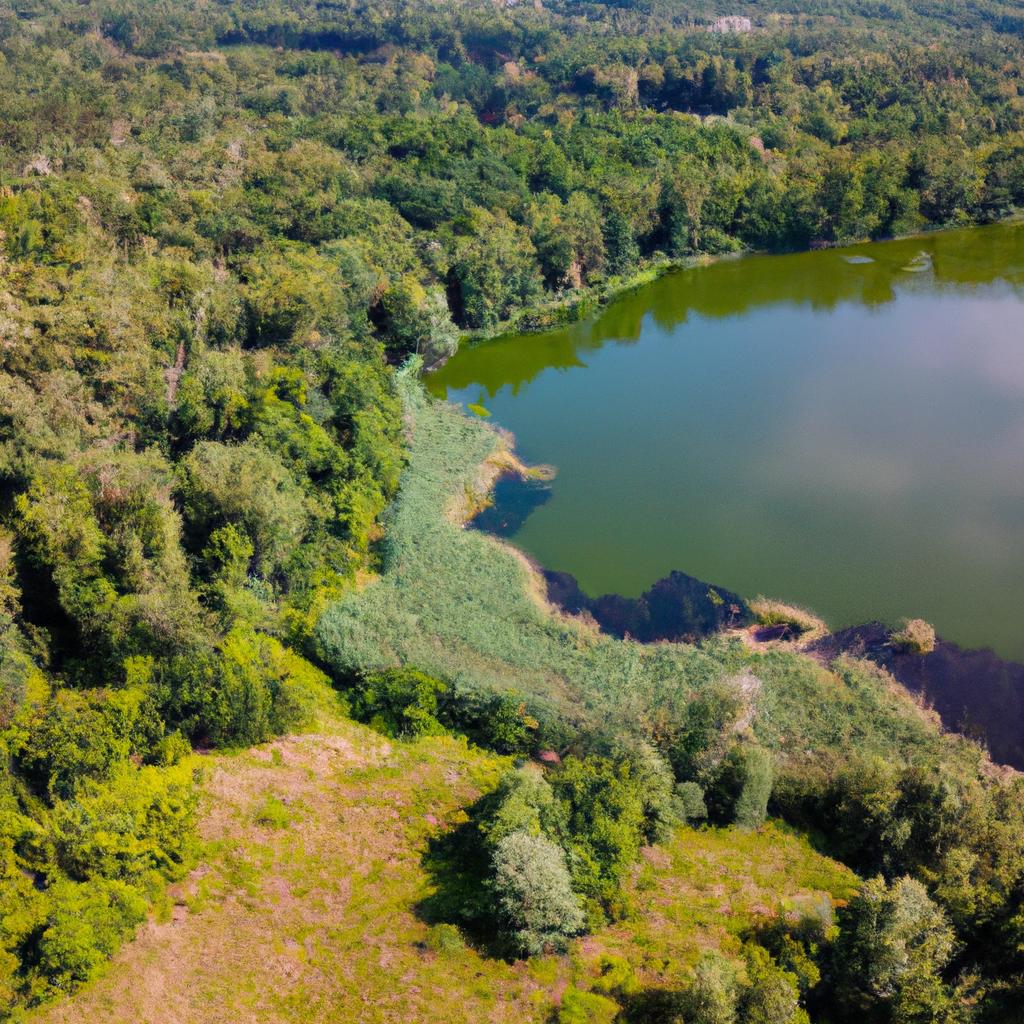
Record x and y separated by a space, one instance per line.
841 429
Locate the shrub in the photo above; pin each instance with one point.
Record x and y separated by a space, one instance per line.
536 906
445 939
249 690
743 786
72 738
605 824
401 702
579 1007
497 721
691 801
140 822
913 636
87 922
706 729
247 486
522 802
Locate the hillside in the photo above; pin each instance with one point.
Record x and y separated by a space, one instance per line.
305 906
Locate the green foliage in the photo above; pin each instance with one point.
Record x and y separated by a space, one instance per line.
139 824
692 806
445 940
893 946
215 226
246 691
534 899
248 487
712 997
770 995
604 807
755 773
73 738
273 813
399 702
84 927
494 271
579 1007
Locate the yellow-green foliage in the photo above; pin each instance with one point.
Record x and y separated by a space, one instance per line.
291 925
139 823
915 636
805 624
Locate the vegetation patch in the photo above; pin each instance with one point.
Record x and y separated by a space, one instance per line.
792 623
314 923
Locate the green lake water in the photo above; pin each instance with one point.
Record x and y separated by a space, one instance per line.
841 429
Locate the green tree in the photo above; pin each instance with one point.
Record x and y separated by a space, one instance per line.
531 888
894 943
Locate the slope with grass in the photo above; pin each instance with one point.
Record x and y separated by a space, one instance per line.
305 904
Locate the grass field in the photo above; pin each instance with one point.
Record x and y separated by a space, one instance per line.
304 905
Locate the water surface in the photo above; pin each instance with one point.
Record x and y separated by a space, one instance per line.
841 429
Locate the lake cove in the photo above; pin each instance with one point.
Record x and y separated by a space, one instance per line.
842 429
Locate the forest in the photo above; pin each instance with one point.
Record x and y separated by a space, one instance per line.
224 224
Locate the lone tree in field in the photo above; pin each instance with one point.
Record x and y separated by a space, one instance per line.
536 904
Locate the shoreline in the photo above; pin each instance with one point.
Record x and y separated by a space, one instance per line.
975 692
580 304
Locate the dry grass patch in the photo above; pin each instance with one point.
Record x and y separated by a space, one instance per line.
307 912
314 920
801 625
702 890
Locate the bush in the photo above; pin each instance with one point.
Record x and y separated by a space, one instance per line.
74 738
445 940
770 995
400 702
913 636
142 821
742 787
691 802
604 803
533 894
580 1007
248 691
86 924
522 802
497 721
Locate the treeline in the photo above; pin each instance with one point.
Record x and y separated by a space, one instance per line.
221 223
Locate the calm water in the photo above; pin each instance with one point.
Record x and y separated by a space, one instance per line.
841 429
